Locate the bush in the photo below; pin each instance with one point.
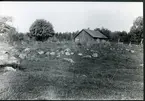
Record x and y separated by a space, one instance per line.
41 30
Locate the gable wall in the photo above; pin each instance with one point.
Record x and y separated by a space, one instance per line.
83 38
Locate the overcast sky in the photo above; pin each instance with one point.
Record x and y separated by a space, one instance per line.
73 16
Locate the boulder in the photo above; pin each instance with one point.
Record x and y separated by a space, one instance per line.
40 52
27 49
132 51
127 49
67 53
52 53
67 50
80 54
22 55
87 56
13 60
8 68
95 55
71 53
69 60
141 65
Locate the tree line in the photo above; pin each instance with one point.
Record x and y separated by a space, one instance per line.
42 30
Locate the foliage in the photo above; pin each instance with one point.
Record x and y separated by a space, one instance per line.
7 30
65 36
41 30
136 31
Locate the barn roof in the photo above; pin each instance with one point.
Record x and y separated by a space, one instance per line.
94 34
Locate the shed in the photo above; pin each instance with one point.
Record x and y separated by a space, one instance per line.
87 36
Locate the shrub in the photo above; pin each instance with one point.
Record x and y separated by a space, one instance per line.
41 30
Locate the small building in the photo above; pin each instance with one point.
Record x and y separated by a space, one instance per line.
87 37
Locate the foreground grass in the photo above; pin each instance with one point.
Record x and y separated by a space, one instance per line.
115 74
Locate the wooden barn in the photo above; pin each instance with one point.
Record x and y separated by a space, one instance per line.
87 37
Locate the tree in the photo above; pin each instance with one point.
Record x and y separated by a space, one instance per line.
115 36
7 30
41 30
136 31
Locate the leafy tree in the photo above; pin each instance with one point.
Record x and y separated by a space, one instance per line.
136 31
41 30
7 30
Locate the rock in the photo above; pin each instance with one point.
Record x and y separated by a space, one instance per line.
127 49
67 50
13 60
80 54
2 51
141 65
87 56
52 53
8 68
132 51
84 76
41 52
22 56
69 60
27 49
95 54
67 53
71 53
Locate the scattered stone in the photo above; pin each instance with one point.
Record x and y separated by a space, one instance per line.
67 50
27 49
132 51
95 54
87 56
71 53
41 52
52 53
67 53
13 60
8 68
141 65
127 49
80 54
22 56
84 75
69 60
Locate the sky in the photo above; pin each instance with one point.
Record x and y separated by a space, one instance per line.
73 16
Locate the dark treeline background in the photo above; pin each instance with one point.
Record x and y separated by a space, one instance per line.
135 35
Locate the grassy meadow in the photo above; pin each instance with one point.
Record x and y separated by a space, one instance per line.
116 73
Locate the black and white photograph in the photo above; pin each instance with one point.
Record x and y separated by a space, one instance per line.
76 50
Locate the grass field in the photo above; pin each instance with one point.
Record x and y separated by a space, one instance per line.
115 74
